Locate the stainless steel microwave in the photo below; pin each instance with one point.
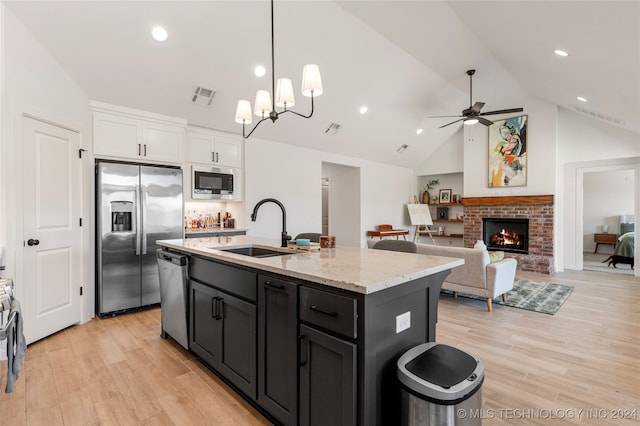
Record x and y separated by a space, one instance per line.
210 183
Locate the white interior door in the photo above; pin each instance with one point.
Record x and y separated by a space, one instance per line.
51 230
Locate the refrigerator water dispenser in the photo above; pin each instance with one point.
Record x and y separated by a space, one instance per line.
121 216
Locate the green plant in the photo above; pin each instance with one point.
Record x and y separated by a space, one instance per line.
431 184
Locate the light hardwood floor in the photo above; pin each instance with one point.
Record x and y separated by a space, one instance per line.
118 371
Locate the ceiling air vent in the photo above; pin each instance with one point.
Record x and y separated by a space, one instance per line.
333 128
600 116
203 97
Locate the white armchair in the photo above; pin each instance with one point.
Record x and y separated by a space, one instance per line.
478 276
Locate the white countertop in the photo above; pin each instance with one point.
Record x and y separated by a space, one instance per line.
350 268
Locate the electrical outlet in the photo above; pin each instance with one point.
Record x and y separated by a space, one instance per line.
403 322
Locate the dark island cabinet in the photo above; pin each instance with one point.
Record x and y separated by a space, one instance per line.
223 325
327 379
328 350
305 353
277 348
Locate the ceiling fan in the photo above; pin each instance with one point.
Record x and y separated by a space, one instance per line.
472 115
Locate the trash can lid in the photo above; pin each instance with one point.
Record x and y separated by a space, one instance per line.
440 371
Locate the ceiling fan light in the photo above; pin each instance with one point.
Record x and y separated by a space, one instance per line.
311 81
471 121
284 93
243 112
262 106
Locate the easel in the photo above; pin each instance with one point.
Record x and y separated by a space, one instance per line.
420 216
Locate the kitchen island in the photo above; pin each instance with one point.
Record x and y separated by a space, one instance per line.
310 337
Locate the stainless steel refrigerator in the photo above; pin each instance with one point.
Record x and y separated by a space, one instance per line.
135 206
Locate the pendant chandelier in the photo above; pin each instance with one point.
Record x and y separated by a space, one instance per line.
284 98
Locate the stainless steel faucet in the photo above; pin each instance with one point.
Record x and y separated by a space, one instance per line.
254 215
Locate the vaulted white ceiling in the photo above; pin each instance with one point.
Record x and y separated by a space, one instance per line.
405 60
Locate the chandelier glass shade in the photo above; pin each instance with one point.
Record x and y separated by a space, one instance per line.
283 94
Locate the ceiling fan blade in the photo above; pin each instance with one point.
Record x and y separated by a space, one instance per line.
445 116
503 111
451 123
485 121
477 107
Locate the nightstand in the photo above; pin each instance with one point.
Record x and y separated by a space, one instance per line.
611 239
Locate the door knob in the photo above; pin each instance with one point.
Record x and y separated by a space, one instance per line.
33 242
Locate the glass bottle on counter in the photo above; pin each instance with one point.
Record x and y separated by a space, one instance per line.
194 220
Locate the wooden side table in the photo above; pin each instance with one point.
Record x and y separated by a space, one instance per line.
610 239
393 233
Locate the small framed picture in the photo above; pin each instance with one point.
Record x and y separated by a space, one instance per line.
445 196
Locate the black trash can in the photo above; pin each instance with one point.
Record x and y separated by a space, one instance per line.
441 386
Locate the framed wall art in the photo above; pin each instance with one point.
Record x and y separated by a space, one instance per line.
508 152
444 196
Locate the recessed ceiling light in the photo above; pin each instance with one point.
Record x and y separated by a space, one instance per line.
159 34
259 71
560 52
419 131
581 99
363 110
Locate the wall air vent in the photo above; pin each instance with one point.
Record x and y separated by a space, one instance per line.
600 116
202 96
333 128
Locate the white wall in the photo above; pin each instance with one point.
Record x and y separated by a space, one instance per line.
581 138
447 158
541 155
585 146
607 195
35 84
293 176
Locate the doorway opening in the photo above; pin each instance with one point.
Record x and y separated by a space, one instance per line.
326 187
342 203
608 206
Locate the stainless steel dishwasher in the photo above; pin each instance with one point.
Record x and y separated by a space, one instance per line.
174 295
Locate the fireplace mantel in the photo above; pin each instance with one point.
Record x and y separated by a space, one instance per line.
519 200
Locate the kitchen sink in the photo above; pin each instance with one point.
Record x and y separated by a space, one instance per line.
255 251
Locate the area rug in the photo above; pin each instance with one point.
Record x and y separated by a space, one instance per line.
535 296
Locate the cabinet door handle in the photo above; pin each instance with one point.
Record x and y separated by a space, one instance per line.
145 149
217 157
213 157
322 311
215 308
139 149
304 350
272 285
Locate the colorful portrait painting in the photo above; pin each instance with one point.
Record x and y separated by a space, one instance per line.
508 152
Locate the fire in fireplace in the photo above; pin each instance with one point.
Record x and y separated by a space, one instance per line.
510 235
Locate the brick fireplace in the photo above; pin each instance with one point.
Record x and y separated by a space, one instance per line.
538 209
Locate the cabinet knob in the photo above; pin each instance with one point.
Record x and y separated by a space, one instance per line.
32 242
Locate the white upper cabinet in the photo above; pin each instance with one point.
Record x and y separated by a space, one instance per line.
115 135
163 142
208 147
137 135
